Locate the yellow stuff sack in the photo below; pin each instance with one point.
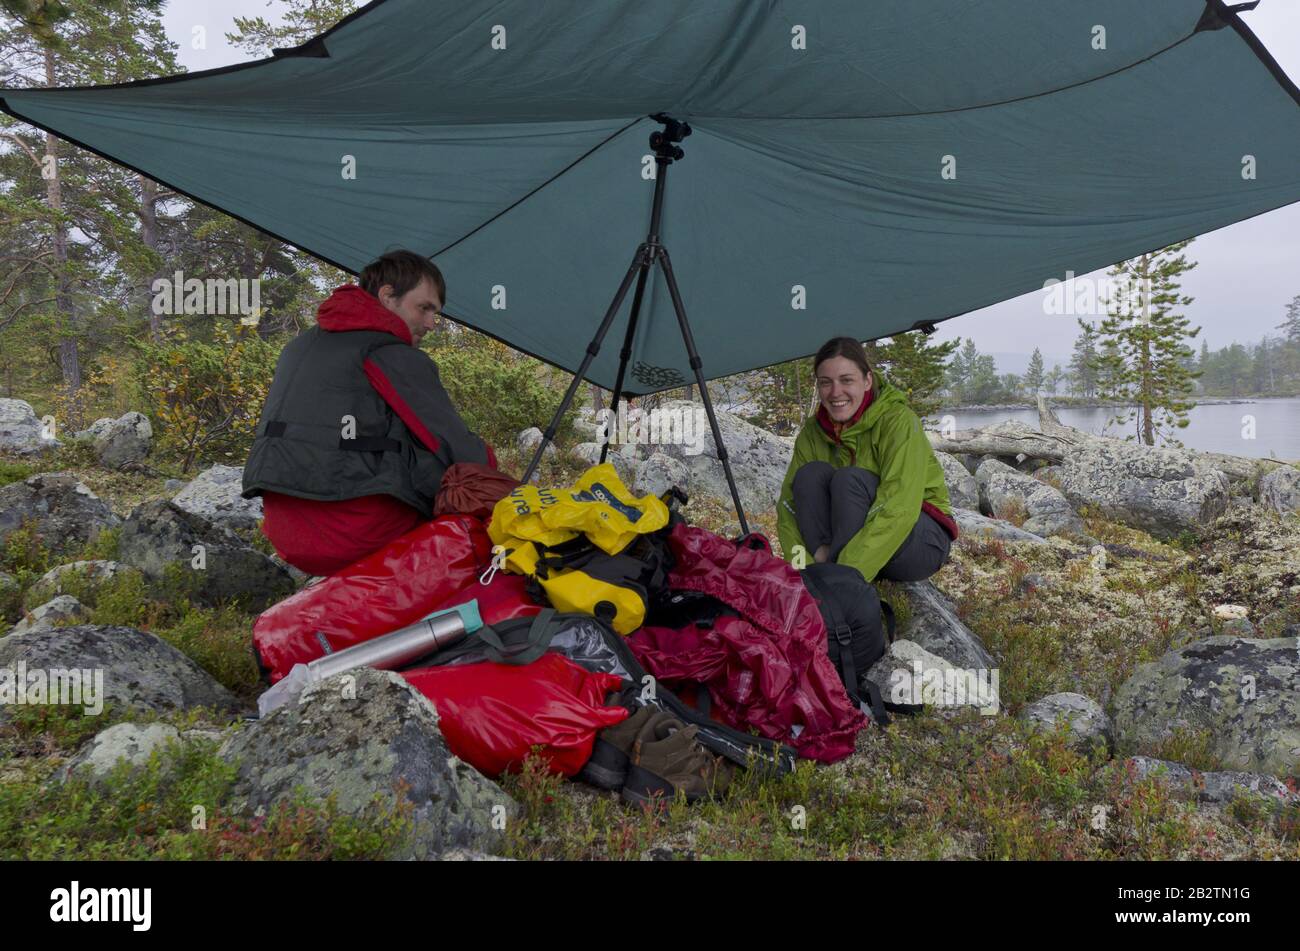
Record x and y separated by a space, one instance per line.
598 506
616 599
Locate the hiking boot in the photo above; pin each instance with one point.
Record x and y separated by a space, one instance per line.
665 758
611 753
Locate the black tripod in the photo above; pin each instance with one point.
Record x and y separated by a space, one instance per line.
666 150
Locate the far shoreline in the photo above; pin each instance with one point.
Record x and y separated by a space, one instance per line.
1065 403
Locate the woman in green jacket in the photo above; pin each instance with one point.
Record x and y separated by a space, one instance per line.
864 487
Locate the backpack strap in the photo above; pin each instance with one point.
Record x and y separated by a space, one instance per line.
879 709
839 629
887 612
541 632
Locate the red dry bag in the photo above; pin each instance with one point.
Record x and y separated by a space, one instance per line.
383 592
492 714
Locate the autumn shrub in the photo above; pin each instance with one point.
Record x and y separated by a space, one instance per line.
204 397
498 392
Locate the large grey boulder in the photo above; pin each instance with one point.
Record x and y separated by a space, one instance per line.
1161 490
934 625
1216 787
158 533
975 525
659 472
140 670
132 743
125 440
357 736
529 439
1280 489
963 491
94 430
20 430
1003 490
623 458
586 425
51 614
909 674
759 459
589 452
63 511
1243 692
215 494
82 579
1089 729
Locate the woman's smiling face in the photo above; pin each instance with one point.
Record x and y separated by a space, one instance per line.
841 386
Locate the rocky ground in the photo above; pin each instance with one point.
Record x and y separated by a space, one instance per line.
1140 607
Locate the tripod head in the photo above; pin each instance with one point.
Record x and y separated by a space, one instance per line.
663 141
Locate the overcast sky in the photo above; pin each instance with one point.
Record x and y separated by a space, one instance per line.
1247 272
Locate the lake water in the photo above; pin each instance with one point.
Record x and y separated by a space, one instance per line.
1213 427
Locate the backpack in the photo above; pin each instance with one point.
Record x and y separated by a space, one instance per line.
859 627
576 572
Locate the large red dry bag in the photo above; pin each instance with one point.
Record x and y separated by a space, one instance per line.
493 714
385 591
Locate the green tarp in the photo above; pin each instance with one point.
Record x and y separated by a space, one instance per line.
900 161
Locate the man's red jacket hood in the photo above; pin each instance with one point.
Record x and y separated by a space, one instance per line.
351 308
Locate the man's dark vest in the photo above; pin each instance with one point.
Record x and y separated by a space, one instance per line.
302 447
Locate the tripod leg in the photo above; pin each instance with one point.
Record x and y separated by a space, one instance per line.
639 262
624 355
696 364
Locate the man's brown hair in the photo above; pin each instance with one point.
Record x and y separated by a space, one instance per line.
404 270
845 347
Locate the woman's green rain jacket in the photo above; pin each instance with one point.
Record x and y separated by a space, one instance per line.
889 441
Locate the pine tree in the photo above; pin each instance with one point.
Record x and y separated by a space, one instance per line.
38 18
960 372
78 213
1033 379
1083 374
783 395
1143 343
917 367
1234 369
1290 357
985 386
1054 378
302 19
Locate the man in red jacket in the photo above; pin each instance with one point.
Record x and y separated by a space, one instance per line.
357 430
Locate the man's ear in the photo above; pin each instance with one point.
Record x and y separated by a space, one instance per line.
387 297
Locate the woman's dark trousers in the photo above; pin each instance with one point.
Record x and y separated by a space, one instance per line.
831 507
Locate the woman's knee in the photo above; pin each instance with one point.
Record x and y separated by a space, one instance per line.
852 483
813 475
916 562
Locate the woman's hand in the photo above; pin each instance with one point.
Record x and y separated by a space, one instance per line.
822 554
